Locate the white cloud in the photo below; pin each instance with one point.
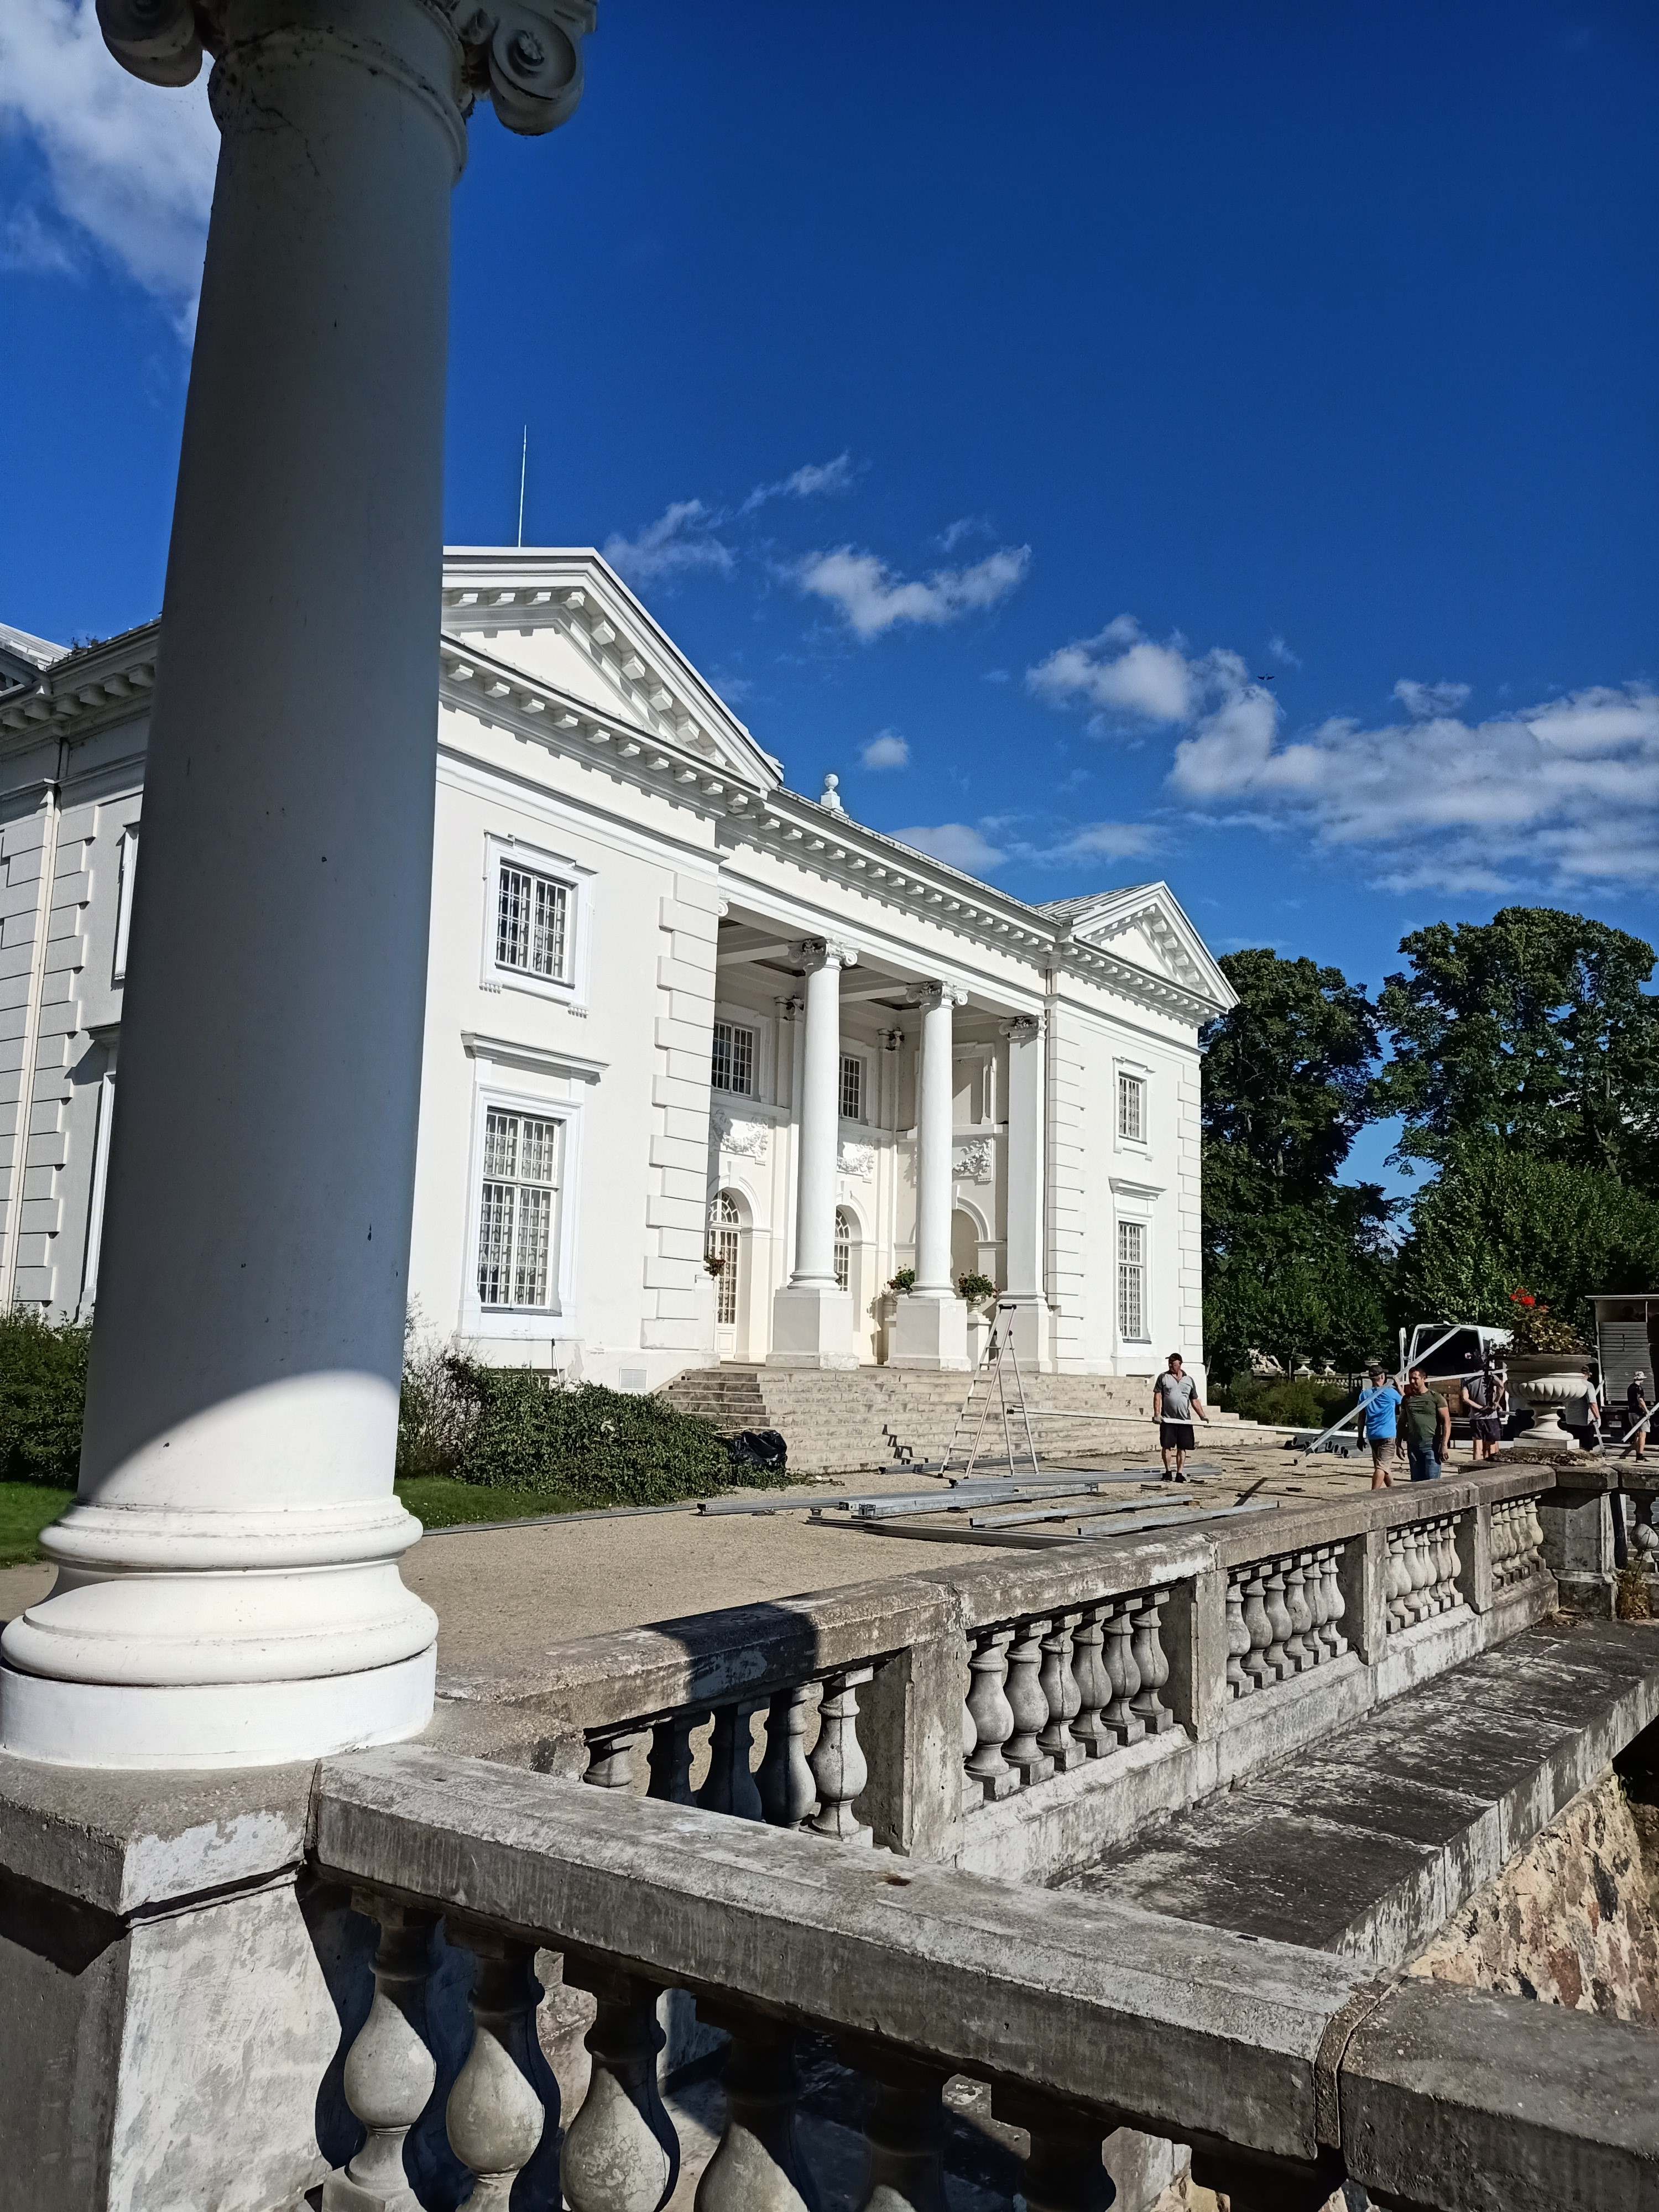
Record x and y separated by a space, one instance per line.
958 844
128 167
873 599
1097 841
682 537
965 526
1424 702
1564 792
1281 652
816 479
31 245
886 749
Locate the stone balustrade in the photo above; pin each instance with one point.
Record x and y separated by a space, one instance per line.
1289 2070
1012 1715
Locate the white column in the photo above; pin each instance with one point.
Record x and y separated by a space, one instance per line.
812 1316
1024 1195
930 1328
229 1591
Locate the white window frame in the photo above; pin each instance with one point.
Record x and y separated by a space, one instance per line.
570 989
1133 1071
856 1052
1139 1222
751 1030
127 867
98 1188
558 1319
765 1028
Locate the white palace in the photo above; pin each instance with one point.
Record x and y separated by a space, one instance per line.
674 1011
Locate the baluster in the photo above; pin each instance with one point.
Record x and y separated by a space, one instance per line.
1454 1566
904 2130
1502 1544
1028 1703
1059 1694
1153 1667
610 1756
1313 1589
670 1758
1443 1548
1239 1684
1093 1690
389 2071
1258 1668
1535 1544
756 2166
498 2111
838 1765
990 1714
1422 1572
1397 1583
1336 1605
1279 1619
621 2152
729 1786
787 1793
1122 1674
1298 1648
1064 2169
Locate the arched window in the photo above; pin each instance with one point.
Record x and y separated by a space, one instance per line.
846 1238
724 1220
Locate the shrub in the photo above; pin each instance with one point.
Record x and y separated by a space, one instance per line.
1301 1401
531 1432
43 1397
976 1289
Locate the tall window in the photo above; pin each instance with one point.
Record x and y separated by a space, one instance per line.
532 923
852 1087
1132 1109
732 1067
516 1209
843 1249
1132 1279
128 869
724 1221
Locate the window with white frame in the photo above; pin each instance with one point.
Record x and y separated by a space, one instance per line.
518 1210
852 1090
1131 1108
844 1242
1131 1280
732 1064
724 1222
532 923
127 867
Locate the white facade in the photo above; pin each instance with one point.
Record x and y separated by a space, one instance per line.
672 1008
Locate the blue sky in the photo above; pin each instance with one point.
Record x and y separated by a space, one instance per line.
1012 393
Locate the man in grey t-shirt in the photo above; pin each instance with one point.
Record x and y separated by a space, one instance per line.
1174 1402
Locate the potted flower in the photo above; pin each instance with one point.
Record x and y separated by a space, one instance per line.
978 1294
1546 1364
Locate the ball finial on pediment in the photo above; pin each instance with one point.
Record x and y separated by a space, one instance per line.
829 799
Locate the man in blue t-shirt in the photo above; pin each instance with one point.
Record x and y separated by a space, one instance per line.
1379 1419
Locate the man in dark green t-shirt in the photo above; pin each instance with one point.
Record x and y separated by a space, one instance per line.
1425 1425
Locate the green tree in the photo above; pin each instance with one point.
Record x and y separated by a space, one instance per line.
1496 1220
1533 1030
1296 1265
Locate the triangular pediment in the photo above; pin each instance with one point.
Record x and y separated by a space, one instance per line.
566 619
1147 927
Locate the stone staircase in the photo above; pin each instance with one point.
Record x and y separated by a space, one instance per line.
848 1421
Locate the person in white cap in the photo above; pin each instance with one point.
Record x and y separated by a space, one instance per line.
1637 1409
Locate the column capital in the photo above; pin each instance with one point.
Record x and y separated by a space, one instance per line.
1021 1027
814 953
790 1009
929 995
526 55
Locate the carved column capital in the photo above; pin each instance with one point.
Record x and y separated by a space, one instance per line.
1021 1028
814 953
526 55
929 995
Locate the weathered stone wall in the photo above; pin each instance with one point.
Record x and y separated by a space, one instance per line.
1572 1921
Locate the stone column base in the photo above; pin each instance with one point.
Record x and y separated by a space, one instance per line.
1026 1329
811 1327
929 1332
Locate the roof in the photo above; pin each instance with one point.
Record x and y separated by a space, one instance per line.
40 650
1063 909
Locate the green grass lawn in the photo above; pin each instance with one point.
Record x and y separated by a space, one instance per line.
440 1502
25 1509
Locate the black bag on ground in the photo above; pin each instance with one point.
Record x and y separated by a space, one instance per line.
763 1450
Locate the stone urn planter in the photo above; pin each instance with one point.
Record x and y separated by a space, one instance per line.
1549 1381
